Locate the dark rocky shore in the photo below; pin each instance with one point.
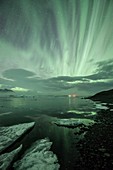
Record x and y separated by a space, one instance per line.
96 149
104 96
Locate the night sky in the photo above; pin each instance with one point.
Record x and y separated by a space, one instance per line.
56 46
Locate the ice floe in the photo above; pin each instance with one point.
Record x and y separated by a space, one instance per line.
6 113
38 157
100 106
73 122
7 158
91 113
8 135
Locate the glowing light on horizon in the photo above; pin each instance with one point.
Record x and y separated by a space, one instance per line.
72 95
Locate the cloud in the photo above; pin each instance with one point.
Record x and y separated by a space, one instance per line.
24 80
17 74
105 69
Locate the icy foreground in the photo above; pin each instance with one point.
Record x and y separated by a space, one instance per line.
8 135
73 122
7 158
38 157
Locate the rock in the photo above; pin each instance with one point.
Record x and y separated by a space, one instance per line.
38 157
102 149
8 135
7 158
107 154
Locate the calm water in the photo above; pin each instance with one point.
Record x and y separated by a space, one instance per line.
43 110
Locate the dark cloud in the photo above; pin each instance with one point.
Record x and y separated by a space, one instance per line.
17 74
102 80
105 69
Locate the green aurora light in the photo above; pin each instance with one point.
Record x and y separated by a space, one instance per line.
55 37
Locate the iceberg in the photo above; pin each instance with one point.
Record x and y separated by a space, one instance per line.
7 158
38 157
6 113
73 122
87 113
100 106
8 135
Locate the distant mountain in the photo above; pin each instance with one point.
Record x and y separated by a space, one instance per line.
104 96
6 90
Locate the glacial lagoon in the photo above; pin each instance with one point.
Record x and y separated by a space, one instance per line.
46 111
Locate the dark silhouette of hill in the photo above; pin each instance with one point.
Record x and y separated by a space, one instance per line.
6 90
104 96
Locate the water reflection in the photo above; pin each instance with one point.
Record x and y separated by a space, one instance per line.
47 103
43 110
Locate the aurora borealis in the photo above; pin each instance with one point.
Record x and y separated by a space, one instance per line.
52 38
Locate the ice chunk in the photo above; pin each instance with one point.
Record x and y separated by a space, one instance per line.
73 122
10 134
38 157
6 113
7 158
100 106
91 113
